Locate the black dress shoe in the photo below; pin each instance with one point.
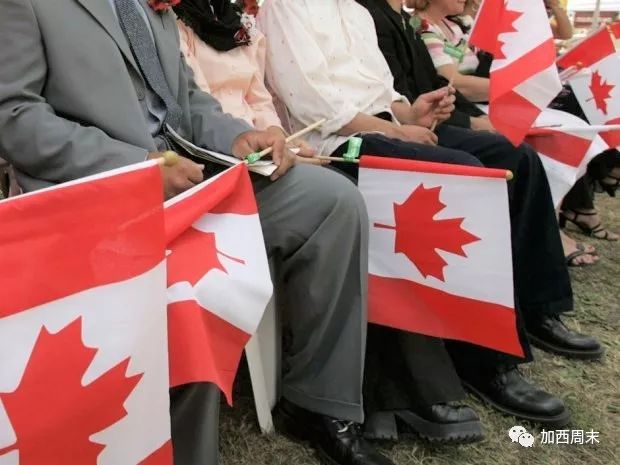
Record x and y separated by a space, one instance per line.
337 442
551 335
443 423
512 394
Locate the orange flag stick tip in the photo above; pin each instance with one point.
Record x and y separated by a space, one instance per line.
509 175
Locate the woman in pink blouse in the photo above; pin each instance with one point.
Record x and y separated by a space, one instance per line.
227 55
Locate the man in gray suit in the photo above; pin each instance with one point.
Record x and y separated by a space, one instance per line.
90 85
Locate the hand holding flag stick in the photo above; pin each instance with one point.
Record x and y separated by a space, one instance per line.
254 157
169 158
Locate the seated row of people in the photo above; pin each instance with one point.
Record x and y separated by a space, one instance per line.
442 22
99 96
330 61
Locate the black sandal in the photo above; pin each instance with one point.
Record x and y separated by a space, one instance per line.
572 262
585 228
582 247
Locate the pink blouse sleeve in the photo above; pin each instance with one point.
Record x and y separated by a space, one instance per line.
258 97
188 49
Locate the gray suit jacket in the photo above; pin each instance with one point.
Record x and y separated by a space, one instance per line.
70 92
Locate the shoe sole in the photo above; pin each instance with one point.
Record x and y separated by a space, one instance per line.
461 433
593 355
557 421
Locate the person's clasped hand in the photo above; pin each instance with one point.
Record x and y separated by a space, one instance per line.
255 141
179 176
433 106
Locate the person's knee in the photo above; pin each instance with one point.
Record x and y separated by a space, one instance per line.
529 158
460 157
331 191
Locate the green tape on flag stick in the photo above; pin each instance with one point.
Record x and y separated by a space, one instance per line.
253 157
353 148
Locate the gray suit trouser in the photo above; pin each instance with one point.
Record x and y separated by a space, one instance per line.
316 232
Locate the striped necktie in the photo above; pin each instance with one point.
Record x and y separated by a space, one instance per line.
145 53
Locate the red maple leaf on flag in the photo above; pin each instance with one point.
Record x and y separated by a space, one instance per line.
161 456
506 25
194 254
601 91
52 413
419 235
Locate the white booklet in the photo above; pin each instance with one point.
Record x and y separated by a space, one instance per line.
263 167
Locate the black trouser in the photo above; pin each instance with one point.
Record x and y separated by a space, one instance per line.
405 369
581 196
194 416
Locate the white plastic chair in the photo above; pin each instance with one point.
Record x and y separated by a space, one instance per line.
264 355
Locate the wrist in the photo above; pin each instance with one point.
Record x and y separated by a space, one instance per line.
392 131
276 130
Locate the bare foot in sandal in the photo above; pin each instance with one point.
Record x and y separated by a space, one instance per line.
577 254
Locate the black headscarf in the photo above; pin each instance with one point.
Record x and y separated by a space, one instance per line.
216 22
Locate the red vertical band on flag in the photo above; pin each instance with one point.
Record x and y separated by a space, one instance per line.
590 51
406 305
513 115
203 347
67 239
484 33
505 80
162 456
612 138
561 146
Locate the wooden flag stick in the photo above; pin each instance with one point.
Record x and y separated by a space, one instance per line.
290 138
346 160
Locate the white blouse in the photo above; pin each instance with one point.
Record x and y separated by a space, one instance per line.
324 61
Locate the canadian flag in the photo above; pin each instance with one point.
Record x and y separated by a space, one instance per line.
218 278
597 86
524 77
83 353
440 251
566 144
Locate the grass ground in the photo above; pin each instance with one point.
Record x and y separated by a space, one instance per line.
591 391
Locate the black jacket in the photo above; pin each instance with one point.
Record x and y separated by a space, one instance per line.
409 60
